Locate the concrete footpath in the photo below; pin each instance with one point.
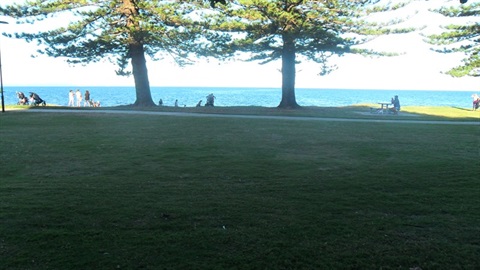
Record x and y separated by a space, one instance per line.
289 118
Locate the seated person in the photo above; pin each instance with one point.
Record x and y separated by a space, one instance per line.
396 105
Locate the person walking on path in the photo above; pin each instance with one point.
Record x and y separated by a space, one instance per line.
79 97
71 98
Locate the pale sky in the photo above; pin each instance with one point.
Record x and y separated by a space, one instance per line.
417 68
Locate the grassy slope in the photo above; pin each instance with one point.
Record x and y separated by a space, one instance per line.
118 191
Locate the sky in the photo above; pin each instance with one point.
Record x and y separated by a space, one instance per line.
417 68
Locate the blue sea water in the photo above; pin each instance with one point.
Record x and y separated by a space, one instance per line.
231 96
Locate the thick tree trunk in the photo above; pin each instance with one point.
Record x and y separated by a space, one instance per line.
137 53
140 75
288 74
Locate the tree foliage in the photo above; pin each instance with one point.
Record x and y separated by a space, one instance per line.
124 31
117 30
461 38
295 30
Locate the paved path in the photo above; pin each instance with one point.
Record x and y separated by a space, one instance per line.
292 118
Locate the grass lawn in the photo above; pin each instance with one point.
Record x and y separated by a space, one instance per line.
355 111
108 191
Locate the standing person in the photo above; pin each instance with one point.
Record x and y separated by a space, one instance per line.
476 101
71 98
86 101
176 102
79 97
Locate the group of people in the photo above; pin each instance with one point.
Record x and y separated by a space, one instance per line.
75 99
160 103
210 101
34 99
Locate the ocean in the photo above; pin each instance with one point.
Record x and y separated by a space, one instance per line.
231 96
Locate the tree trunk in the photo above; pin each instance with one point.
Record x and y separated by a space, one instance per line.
140 75
288 74
137 53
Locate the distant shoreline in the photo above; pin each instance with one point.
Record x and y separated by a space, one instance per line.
241 96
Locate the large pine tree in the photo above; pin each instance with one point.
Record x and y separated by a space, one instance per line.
293 30
123 31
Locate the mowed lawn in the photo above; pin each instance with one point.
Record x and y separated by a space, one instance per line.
113 191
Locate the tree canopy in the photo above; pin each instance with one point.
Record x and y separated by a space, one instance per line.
295 30
126 31
120 31
461 38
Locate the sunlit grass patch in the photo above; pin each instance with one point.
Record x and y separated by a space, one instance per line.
447 112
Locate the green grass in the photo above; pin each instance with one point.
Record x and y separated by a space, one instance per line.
362 111
100 191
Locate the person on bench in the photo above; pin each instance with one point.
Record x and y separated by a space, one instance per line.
396 105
